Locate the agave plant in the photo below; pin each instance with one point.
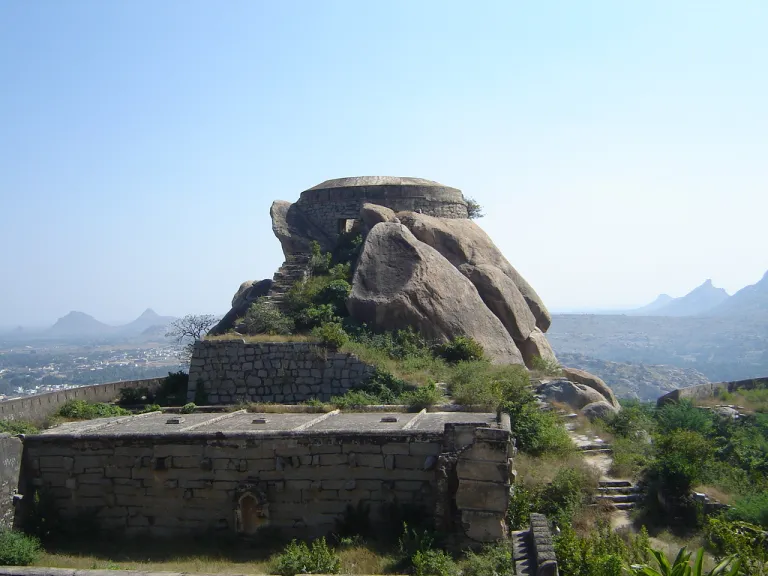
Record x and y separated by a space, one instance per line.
682 565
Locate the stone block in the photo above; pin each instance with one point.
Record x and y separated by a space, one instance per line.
485 496
483 450
396 448
482 527
425 448
483 470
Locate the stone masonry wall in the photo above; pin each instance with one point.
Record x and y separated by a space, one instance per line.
326 207
285 372
182 483
710 390
38 407
10 466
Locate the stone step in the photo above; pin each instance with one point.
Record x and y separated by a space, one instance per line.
618 498
597 451
586 447
608 490
615 484
521 553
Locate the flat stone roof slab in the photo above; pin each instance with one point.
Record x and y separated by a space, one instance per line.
245 422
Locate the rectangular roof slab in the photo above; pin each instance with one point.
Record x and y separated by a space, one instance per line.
245 422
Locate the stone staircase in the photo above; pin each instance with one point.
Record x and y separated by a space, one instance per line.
525 564
294 269
623 494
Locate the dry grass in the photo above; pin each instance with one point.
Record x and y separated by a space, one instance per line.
268 408
588 518
538 470
716 493
416 370
265 338
169 556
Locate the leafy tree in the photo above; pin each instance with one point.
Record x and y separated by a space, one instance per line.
474 209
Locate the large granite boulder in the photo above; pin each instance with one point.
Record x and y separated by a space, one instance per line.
587 379
462 241
566 392
372 214
537 345
597 410
245 296
400 282
504 299
294 230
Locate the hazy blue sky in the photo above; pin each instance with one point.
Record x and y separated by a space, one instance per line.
619 148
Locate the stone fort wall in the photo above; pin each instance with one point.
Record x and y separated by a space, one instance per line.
231 371
325 207
703 391
38 407
301 483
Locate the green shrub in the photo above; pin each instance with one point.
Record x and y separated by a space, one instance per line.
201 396
354 398
744 540
173 389
434 563
130 396
684 415
412 541
348 247
602 552
481 383
331 335
546 366
386 387
18 549
188 408
298 558
319 261
316 315
15 427
570 489
493 560
474 209
82 410
752 508
263 317
421 397
537 432
680 459
336 294
522 502
152 408
461 349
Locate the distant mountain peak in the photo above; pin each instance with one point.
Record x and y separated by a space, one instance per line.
149 313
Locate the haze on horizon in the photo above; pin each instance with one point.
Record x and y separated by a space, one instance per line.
618 148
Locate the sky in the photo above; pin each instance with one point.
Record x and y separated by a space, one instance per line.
618 148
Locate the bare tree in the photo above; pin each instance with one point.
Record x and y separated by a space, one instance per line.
188 330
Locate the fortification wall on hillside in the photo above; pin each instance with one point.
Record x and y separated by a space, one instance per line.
38 407
10 468
232 371
326 207
710 390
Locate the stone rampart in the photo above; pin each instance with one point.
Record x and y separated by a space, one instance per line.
710 390
38 407
301 482
327 204
10 467
542 547
232 371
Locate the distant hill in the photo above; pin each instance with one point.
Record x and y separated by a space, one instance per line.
661 301
644 382
80 324
148 319
697 302
749 302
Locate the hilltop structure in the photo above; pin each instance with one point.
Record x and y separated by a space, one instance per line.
424 265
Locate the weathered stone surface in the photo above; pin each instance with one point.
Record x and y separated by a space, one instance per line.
294 230
587 379
401 282
537 345
575 395
247 293
483 527
462 241
485 496
503 298
372 214
597 410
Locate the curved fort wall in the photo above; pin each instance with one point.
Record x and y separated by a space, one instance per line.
326 206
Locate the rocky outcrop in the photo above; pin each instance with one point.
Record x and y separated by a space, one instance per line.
248 292
372 214
294 230
400 281
577 396
597 410
537 345
462 242
585 378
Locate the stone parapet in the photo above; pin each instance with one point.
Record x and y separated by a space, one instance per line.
231 371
